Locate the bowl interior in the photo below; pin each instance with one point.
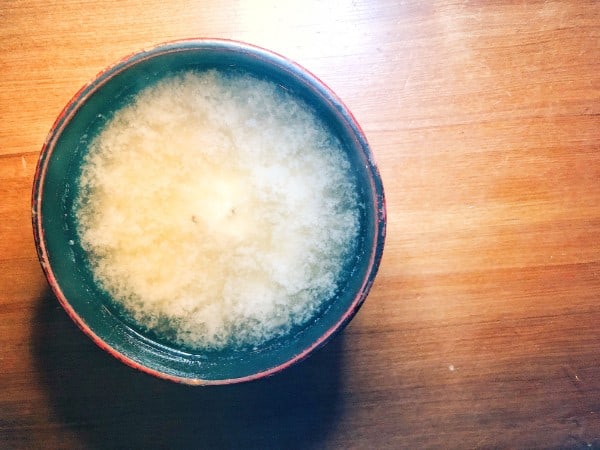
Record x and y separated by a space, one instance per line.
66 263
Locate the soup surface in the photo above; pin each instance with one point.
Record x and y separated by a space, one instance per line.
216 210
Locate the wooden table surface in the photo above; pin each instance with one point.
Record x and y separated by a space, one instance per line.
482 328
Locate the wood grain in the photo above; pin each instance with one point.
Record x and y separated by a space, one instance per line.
481 330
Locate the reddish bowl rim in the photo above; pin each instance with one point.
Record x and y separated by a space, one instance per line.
183 45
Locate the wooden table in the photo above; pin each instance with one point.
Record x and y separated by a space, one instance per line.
482 329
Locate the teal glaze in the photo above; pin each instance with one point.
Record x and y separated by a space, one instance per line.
66 265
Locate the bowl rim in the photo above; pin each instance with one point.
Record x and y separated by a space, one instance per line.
194 44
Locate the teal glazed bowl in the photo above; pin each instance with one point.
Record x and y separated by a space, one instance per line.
66 264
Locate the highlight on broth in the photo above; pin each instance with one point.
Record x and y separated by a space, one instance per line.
217 210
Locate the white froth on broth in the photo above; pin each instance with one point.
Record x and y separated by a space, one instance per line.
217 210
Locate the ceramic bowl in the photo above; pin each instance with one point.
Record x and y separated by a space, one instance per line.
66 265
